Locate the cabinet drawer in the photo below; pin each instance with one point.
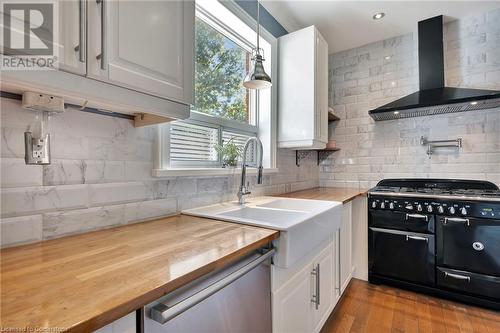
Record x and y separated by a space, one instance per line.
471 283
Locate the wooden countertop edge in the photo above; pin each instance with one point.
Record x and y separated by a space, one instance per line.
110 316
358 193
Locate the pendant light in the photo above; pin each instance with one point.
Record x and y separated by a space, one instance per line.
257 78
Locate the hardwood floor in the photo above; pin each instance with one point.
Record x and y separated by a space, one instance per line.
378 309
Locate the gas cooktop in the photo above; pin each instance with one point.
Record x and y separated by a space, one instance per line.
443 188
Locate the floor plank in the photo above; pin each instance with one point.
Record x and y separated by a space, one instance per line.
367 308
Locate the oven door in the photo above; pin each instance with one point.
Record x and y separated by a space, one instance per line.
388 219
469 244
402 255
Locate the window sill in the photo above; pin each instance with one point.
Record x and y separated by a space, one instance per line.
194 172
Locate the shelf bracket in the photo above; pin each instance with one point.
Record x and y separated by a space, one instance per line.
323 155
300 155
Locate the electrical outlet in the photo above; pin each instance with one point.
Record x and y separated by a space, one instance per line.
37 150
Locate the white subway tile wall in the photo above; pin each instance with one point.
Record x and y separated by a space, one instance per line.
100 177
372 75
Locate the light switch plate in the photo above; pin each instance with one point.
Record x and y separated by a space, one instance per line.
36 150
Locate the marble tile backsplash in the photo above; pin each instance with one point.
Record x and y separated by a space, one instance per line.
100 177
372 75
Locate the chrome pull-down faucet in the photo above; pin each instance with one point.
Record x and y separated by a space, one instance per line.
244 185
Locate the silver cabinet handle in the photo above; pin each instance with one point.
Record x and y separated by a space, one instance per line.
162 313
315 298
457 276
82 17
417 216
408 237
103 55
456 219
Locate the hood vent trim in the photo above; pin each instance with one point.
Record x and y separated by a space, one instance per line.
433 98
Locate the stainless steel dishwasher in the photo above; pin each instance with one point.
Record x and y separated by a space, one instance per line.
234 299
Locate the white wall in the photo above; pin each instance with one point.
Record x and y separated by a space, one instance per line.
363 78
100 177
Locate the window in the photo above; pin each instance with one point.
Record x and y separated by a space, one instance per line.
224 110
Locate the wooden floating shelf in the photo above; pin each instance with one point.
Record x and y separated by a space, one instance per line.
322 154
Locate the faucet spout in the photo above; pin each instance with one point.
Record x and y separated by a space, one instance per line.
243 190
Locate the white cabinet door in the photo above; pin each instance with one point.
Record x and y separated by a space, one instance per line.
321 90
303 90
346 247
148 46
72 36
325 263
125 324
292 304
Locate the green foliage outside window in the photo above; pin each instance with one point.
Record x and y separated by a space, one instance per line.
219 72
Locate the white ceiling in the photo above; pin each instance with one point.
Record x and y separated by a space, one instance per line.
348 24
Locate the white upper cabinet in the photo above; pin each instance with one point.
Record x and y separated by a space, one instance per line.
72 36
303 90
147 46
127 56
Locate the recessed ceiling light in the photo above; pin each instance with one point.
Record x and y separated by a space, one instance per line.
378 16
387 57
396 112
473 103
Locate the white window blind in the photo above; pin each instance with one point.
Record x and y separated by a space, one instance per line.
191 142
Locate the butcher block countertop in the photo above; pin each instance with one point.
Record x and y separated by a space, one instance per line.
340 194
83 282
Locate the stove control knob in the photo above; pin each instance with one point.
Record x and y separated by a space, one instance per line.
419 207
391 205
382 205
409 207
463 211
429 209
451 210
374 204
440 209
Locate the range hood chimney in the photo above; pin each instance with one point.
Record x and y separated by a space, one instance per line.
433 97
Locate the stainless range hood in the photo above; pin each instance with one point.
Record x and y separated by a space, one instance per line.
433 97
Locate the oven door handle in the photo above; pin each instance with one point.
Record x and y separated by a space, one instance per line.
456 219
417 216
162 313
457 276
408 237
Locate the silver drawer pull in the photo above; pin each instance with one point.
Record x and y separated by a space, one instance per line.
456 219
408 237
417 216
162 313
457 276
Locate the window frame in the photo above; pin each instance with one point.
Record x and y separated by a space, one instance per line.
164 167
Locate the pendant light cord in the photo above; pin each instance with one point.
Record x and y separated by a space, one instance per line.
258 26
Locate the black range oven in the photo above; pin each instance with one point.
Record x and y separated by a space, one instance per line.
436 236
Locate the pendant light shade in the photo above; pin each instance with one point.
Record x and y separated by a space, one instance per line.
257 77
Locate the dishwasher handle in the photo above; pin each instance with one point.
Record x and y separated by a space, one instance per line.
162 313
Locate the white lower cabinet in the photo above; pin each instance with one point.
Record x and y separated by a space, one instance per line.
345 247
294 300
126 324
